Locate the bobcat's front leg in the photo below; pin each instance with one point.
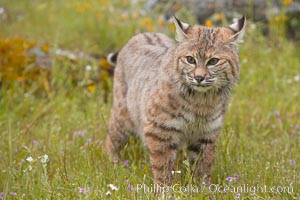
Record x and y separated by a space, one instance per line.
201 157
163 152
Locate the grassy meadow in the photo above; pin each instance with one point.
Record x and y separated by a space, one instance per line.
53 121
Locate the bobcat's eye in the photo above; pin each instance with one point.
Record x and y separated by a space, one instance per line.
191 60
213 61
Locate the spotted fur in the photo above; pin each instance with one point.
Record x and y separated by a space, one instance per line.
172 101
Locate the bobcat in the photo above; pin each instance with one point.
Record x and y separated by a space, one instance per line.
174 95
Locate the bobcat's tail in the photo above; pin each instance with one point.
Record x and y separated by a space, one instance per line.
112 58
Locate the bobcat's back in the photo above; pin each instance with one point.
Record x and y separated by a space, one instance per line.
141 57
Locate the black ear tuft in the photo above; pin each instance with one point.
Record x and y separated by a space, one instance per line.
238 29
181 29
239 25
178 22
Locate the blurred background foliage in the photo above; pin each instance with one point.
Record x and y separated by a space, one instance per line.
37 38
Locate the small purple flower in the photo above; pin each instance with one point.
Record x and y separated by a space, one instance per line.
1 195
297 127
238 195
229 179
62 153
89 140
82 190
80 133
292 162
129 187
273 126
276 112
116 159
279 120
35 142
13 193
236 177
125 163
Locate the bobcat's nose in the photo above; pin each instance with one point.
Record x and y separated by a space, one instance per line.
199 79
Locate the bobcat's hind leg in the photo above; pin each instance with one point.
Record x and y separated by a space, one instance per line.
117 137
120 125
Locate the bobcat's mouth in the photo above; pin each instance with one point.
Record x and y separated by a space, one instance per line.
203 85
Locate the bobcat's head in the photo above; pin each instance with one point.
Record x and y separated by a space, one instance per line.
207 58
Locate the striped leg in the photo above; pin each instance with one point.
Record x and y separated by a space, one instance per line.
118 134
163 153
120 123
201 157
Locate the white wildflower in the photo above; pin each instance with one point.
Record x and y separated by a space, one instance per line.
245 60
29 168
44 159
108 193
71 56
176 172
66 53
2 11
29 159
88 68
253 26
59 52
113 187
297 78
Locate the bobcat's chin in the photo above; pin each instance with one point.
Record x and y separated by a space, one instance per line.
200 88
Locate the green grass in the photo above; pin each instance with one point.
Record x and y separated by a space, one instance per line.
259 142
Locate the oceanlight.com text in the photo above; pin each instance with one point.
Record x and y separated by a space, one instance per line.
245 188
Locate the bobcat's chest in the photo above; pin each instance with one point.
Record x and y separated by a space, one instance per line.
203 125
194 125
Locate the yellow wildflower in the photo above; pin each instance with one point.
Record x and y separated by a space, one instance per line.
287 2
219 16
208 23
172 27
160 22
20 78
104 64
124 16
277 19
91 88
45 48
147 23
135 16
102 2
88 5
79 9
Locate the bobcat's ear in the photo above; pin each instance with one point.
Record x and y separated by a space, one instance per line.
239 30
181 29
